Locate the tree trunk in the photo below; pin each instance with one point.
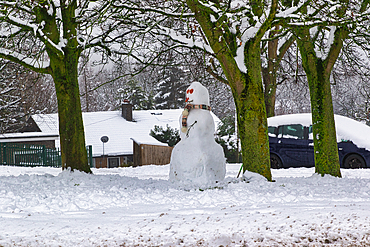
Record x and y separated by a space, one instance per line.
250 110
269 74
251 116
269 80
64 70
71 130
324 134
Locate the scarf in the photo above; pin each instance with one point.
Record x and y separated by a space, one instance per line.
185 114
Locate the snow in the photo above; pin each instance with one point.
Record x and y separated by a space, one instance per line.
21 135
140 207
288 13
213 18
239 59
346 128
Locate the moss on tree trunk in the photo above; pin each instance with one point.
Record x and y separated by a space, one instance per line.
250 110
324 134
71 130
64 70
251 113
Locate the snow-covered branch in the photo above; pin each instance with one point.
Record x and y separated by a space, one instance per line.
30 63
22 6
185 40
147 9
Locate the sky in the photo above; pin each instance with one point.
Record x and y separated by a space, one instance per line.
140 207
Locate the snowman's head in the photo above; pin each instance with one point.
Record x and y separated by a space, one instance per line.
197 94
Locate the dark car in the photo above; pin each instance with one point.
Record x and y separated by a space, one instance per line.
291 142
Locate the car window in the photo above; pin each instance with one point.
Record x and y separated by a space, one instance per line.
310 133
280 131
272 131
294 131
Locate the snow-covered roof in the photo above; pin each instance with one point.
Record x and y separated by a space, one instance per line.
153 141
120 132
346 128
28 136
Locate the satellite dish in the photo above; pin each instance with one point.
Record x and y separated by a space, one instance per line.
104 139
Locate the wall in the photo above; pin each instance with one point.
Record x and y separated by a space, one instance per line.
145 154
102 162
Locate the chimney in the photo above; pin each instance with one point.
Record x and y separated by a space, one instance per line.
127 110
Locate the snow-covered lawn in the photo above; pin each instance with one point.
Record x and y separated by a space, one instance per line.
140 207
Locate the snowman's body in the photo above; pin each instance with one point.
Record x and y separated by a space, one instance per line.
197 158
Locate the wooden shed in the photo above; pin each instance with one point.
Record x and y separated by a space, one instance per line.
151 154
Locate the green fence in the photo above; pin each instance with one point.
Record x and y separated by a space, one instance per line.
89 156
15 154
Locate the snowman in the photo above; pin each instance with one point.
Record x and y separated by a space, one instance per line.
197 158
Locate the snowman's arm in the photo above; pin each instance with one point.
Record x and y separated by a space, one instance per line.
191 126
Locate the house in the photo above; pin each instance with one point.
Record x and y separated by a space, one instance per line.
123 128
50 140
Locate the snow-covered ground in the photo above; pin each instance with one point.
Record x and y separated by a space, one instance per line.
140 207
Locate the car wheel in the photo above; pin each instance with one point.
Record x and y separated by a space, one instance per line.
354 161
275 162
